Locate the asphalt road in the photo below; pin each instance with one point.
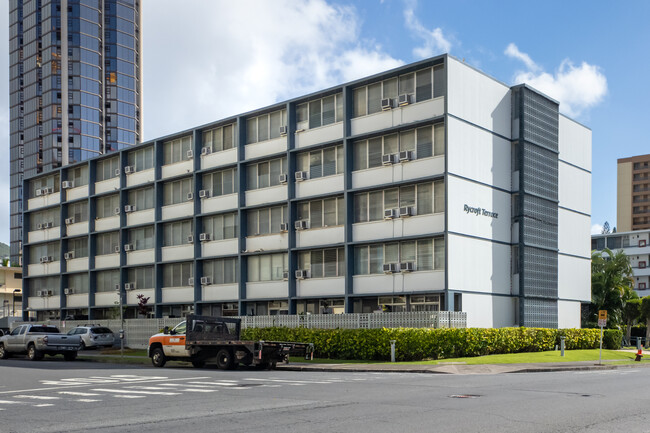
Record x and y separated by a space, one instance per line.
59 396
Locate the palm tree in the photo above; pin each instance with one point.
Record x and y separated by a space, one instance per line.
612 285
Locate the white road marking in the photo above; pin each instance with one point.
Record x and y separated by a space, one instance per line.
43 405
185 384
291 382
132 391
129 396
37 397
87 400
80 394
198 390
216 383
9 402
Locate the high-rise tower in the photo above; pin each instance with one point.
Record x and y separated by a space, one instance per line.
74 86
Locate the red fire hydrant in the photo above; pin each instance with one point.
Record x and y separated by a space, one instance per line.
639 355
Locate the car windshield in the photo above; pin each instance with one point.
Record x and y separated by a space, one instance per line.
101 331
180 328
45 329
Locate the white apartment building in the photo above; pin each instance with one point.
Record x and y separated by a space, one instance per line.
427 187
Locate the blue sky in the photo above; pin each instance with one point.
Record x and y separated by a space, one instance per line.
208 59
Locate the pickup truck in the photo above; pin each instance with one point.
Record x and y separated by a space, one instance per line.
37 341
205 338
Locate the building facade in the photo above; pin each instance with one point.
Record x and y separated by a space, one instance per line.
74 87
633 193
11 285
427 187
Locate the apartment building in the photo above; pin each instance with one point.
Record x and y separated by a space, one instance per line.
427 187
633 193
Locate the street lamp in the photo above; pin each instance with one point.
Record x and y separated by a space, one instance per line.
13 307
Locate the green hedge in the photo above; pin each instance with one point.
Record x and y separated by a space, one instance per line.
414 344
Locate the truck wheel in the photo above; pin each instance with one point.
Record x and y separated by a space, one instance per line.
70 356
158 358
198 364
82 346
3 353
34 354
225 359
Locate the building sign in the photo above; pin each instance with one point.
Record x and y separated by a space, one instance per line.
480 211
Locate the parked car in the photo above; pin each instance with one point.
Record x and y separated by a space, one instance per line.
37 341
93 336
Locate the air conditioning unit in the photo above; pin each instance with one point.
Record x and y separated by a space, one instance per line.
116 248
390 214
190 281
49 292
190 196
386 104
129 169
206 281
301 225
68 291
206 151
48 225
301 274
39 226
404 99
69 255
48 190
38 192
204 193
285 275
43 259
284 227
302 175
116 211
129 247
130 208
67 184
390 268
39 293
405 155
204 237
69 220
117 172
190 154
283 178
129 286
388 159
117 287
407 266
405 211
190 239
284 130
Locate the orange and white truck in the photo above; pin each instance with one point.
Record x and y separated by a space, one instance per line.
202 339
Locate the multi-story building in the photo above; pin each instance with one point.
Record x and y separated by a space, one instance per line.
11 291
74 79
633 193
427 187
635 245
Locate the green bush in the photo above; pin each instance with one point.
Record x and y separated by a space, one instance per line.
414 344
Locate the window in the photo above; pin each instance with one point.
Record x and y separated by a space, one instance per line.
218 139
79 246
141 159
370 206
320 112
176 150
45 283
79 175
223 226
53 184
267 220
323 212
37 252
268 267
323 263
106 169
425 254
107 281
221 182
142 198
642 286
322 162
143 277
107 243
642 265
78 211
265 174
177 274
265 127
141 238
78 282
105 206
177 191
177 233
222 271
52 216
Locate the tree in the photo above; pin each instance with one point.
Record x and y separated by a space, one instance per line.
631 314
142 305
645 315
612 285
605 229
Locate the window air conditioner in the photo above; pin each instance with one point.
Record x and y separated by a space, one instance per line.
129 286
49 259
190 239
129 169
190 154
206 281
116 211
43 260
386 104
405 155
390 268
39 226
39 293
387 159
203 237
390 213
48 225
68 291
116 248
284 227
69 255
117 172
129 247
283 130
190 196
405 211
49 292
69 220
67 184
48 190
283 178
407 266
302 175
129 208
301 225
190 281
301 274
117 287
204 193
206 151
38 192
404 99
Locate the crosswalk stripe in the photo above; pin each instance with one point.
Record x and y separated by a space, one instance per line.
128 396
36 397
132 391
9 402
43 405
80 394
87 400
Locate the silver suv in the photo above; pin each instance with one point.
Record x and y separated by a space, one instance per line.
93 336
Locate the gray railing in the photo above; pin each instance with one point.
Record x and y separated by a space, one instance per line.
138 331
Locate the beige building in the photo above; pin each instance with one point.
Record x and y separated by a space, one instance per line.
633 194
11 288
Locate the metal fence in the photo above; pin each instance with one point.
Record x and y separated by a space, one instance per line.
138 331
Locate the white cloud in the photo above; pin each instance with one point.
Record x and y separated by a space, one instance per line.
434 41
596 229
577 88
237 56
